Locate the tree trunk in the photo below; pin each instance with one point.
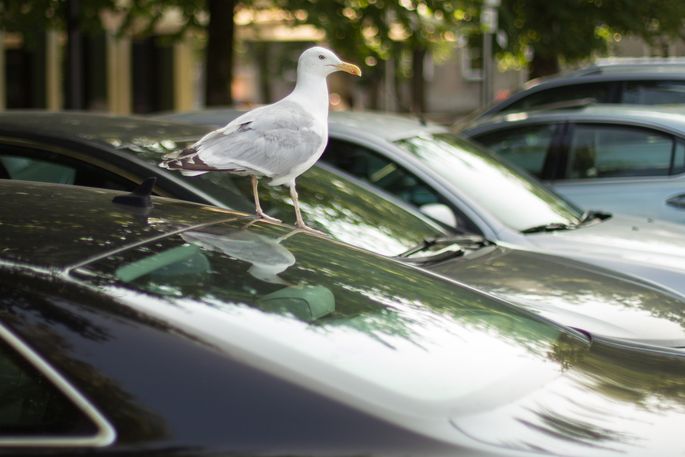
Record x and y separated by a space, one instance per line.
219 55
418 92
543 66
74 74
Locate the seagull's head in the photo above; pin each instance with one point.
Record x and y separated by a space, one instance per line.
321 61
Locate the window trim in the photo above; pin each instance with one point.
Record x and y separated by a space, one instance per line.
105 434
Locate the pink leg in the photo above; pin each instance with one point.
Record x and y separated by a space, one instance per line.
258 208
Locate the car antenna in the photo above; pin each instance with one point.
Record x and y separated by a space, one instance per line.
140 197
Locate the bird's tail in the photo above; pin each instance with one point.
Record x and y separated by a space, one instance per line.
174 161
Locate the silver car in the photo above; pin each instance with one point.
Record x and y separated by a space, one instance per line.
466 186
626 159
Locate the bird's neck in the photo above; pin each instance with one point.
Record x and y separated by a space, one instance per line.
311 91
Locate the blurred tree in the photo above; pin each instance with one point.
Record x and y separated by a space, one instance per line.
219 27
377 31
572 30
74 16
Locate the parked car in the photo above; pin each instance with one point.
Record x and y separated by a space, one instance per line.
119 151
424 165
153 331
625 159
647 82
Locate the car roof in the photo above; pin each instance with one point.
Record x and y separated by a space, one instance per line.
55 226
631 64
110 130
665 117
588 75
390 127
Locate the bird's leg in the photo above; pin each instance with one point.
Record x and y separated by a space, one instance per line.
258 208
299 222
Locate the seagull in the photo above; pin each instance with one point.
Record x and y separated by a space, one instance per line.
278 141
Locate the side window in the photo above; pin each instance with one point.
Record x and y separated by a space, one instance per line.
598 92
54 168
608 151
379 171
654 92
526 148
32 408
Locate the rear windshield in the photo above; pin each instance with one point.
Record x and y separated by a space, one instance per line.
325 305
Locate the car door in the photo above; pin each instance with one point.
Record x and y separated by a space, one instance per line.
624 168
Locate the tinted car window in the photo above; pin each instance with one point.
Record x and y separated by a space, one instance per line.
382 172
33 165
525 147
31 406
654 92
611 151
599 92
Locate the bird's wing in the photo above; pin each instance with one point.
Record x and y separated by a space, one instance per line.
269 141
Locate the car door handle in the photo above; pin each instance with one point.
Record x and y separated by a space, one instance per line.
678 201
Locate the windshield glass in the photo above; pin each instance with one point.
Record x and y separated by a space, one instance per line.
330 203
506 193
378 320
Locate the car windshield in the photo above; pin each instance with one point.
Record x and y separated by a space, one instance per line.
296 300
330 203
506 193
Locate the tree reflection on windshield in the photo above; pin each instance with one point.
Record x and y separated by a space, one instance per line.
391 324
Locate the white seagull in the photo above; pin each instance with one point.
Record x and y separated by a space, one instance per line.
278 141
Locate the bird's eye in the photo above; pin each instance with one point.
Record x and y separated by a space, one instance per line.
321 57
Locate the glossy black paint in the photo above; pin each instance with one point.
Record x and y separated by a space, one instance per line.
169 388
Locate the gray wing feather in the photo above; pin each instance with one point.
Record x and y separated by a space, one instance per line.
270 141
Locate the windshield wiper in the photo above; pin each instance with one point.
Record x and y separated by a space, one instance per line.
589 216
551 227
454 247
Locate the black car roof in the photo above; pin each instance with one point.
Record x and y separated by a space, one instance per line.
106 129
57 226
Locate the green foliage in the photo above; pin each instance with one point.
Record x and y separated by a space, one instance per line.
28 16
373 30
573 30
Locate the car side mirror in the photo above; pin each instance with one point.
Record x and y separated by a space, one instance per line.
440 212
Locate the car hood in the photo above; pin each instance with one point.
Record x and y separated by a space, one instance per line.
615 400
574 294
650 249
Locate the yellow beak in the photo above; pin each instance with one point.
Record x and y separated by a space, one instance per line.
349 68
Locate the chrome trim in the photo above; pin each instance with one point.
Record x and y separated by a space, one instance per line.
105 435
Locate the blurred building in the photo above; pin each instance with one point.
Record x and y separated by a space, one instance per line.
125 75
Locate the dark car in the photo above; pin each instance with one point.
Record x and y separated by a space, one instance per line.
117 152
638 83
181 329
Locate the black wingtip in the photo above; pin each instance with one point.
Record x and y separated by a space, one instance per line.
140 197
